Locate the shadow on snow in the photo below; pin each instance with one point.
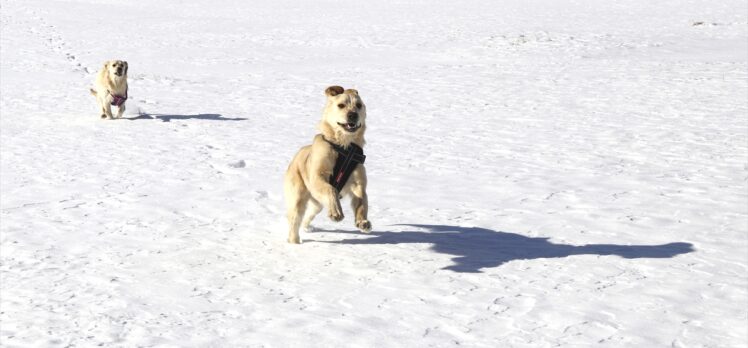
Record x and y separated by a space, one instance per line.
475 248
168 118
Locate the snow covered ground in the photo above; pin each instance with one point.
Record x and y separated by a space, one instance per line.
542 173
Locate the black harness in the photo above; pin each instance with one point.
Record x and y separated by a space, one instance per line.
345 164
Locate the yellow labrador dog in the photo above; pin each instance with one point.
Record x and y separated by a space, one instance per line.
331 167
110 88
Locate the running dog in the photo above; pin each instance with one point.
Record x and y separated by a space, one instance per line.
331 167
110 88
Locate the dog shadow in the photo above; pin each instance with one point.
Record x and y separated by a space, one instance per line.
476 248
168 118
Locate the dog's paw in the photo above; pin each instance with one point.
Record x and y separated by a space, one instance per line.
364 226
336 215
103 116
294 240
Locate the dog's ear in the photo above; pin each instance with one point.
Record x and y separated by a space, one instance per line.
351 91
125 62
106 64
333 91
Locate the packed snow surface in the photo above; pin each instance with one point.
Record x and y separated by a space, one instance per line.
541 173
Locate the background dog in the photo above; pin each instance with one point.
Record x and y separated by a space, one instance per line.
306 185
110 88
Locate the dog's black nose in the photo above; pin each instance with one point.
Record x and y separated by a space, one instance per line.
353 117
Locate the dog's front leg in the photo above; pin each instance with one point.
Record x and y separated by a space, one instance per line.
120 110
324 193
360 204
106 107
359 200
102 108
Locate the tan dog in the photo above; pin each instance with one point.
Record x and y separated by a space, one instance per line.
110 88
307 183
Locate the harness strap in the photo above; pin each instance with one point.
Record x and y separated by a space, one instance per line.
345 164
118 100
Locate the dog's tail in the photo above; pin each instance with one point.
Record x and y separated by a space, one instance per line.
93 92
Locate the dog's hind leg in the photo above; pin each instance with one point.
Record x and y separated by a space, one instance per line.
296 210
296 201
312 209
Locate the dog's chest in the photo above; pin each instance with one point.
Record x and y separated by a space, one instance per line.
348 159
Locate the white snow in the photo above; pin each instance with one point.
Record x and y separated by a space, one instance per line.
542 173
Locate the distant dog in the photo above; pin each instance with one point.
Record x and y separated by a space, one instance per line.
331 167
110 88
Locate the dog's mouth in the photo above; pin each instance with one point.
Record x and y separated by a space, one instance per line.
350 126
118 73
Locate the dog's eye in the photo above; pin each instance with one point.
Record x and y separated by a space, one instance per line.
341 105
359 105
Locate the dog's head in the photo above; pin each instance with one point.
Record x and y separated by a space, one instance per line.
344 111
116 68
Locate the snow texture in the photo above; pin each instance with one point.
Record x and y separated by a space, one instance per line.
542 173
